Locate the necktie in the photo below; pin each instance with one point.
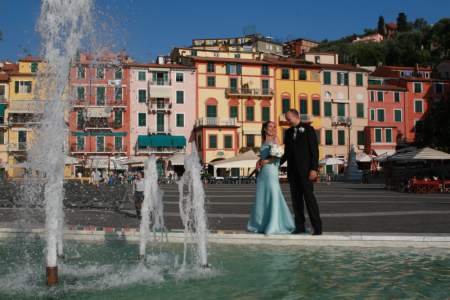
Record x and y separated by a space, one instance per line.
295 132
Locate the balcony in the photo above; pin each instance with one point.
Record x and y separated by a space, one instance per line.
250 92
74 148
159 106
3 99
22 119
342 120
150 150
215 122
98 125
305 118
21 146
160 82
162 129
404 141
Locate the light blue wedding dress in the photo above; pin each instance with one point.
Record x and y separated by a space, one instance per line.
270 213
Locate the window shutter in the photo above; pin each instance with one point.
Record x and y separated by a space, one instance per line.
316 108
266 113
359 79
118 143
228 68
380 97
360 137
327 77
327 109
328 137
346 78
372 96
381 115
341 109
250 113
378 137
80 117
28 87
397 97
303 106
372 115
339 78
239 69
341 137
118 117
154 76
228 142
388 135
318 136
16 87
166 76
398 116
233 111
286 105
360 110
439 88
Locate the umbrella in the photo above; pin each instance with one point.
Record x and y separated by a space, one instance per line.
330 161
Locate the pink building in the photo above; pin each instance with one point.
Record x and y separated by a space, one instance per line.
162 111
369 38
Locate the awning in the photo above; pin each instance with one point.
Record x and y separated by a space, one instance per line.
99 112
160 92
330 161
69 160
255 132
159 69
177 159
80 133
363 157
341 101
144 141
384 151
179 141
161 141
2 110
245 160
26 106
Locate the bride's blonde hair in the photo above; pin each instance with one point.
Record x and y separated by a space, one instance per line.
264 126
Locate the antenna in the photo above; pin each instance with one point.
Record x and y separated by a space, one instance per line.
249 29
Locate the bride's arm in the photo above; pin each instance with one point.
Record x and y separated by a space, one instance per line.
275 141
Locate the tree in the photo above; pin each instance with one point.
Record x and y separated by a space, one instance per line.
436 126
369 56
368 31
420 23
402 23
381 29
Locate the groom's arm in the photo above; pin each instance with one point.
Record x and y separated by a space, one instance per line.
313 149
286 149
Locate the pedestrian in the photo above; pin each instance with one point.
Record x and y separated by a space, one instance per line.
138 194
96 179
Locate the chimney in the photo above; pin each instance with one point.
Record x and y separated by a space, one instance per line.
357 64
123 55
416 69
380 64
2 63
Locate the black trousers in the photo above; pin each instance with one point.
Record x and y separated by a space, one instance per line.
138 199
302 188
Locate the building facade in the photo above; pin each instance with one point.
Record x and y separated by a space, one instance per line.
299 46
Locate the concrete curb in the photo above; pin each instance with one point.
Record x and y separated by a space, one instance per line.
340 239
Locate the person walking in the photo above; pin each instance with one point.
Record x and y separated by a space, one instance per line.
138 194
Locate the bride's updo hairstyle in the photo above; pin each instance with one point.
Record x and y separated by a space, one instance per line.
264 126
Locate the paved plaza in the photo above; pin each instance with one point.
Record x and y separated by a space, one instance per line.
345 207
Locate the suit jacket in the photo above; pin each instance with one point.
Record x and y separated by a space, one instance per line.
304 148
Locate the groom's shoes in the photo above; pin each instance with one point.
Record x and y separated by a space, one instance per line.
298 231
316 233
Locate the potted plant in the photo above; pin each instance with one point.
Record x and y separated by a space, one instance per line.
206 177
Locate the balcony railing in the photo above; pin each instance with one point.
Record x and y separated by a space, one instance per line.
404 141
22 119
250 92
303 117
20 146
342 120
3 99
150 150
215 122
158 105
94 149
165 129
161 82
98 124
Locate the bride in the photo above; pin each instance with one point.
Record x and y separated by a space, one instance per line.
270 213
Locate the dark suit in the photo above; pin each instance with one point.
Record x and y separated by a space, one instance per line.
302 156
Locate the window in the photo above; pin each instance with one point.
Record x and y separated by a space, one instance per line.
118 73
213 142
372 96
380 114
142 96
438 88
228 142
418 128
34 67
360 137
180 120
250 140
327 109
211 43
302 74
180 97
118 143
360 110
233 111
117 93
284 73
193 52
328 137
211 111
80 93
80 117
142 76
378 135
23 87
286 105
142 119
341 137
80 143
418 106
315 76
340 78
397 115
100 144
341 109
101 95
396 97
266 113
316 108
326 78
81 72
380 96
211 81
417 87
118 117
78 56
388 135
210 67
359 79
265 87
250 113
237 56
345 78
100 73
318 136
180 77
199 145
231 69
317 59
372 115
303 106
265 70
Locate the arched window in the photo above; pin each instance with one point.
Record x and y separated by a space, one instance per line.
316 105
285 102
211 108
265 111
233 108
303 98
250 110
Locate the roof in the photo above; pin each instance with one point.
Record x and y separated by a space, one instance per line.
386 87
291 62
196 49
236 60
26 106
4 77
392 25
396 68
31 59
330 52
149 65
344 67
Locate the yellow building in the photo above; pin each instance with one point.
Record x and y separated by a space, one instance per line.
298 86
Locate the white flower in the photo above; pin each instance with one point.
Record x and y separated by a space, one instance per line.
301 129
276 151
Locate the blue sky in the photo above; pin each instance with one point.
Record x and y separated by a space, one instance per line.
150 28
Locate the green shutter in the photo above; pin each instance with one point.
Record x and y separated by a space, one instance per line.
141 76
360 110
381 115
316 108
228 142
339 78
166 76
228 68
142 95
193 52
303 106
302 74
34 67
328 137
330 169
118 143
380 97
239 69
372 96
417 87
118 116
397 97
372 115
286 105
250 140
318 136
341 137
16 87
211 67
359 79
154 76
388 135
212 141
180 120
250 113
28 83
266 113
80 117
327 109
80 143
180 97
265 70
439 88
80 93
142 119
341 109
346 79
326 78
211 111
117 93
100 144
211 81
398 115
233 111
378 138
285 74
419 108
100 95
360 137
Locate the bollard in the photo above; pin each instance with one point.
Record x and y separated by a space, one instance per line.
329 180
52 275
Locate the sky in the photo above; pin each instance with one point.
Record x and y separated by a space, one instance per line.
147 29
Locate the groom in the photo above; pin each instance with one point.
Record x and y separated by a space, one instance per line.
302 154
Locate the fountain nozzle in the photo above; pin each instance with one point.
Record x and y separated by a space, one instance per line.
62 256
52 275
141 257
206 266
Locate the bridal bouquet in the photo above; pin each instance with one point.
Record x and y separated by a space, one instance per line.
275 151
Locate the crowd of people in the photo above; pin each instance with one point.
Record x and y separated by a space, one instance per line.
110 177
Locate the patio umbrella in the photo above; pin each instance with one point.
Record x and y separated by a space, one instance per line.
330 161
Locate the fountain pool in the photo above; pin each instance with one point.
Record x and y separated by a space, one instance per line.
105 271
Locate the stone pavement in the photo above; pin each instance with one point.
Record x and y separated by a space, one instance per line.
345 207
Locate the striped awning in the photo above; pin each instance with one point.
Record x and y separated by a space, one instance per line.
160 92
26 106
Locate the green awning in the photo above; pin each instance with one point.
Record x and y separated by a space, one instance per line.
144 141
80 133
161 141
179 141
108 133
2 110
